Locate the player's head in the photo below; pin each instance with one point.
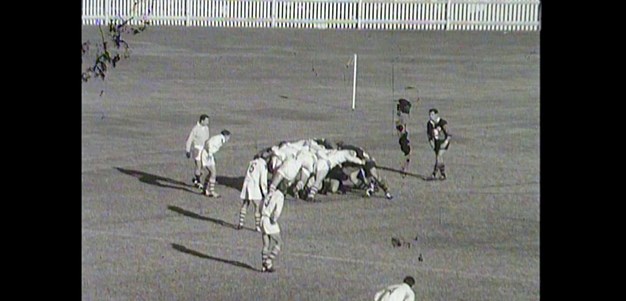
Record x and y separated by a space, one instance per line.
204 119
433 113
339 144
226 134
409 280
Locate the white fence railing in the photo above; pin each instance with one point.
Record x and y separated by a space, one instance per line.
501 15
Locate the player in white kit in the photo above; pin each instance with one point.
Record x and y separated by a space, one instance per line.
271 209
194 145
327 160
397 292
207 155
253 191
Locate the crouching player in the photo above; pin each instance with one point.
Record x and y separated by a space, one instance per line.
369 170
253 190
270 212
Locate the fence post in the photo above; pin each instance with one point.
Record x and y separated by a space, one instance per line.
448 9
359 15
187 13
274 10
107 11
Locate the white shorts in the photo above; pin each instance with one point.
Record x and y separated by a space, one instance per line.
206 159
289 169
251 190
196 152
267 227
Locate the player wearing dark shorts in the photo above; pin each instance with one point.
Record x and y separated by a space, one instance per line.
439 140
405 147
369 168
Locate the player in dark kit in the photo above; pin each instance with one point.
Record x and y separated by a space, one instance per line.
405 147
439 140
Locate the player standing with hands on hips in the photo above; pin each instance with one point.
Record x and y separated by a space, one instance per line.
195 144
439 140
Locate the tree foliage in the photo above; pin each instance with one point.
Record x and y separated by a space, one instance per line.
112 47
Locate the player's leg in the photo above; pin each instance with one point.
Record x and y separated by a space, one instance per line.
197 173
276 243
257 214
320 174
245 203
302 180
376 179
437 149
441 164
265 252
212 180
276 179
406 149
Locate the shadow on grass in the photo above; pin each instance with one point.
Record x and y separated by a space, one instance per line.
200 217
234 183
423 178
155 180
184 249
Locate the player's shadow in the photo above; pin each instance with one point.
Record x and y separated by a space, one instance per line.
200 217
423 178
234 183
151 179
186 250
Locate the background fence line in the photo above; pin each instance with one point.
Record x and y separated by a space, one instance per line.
498 15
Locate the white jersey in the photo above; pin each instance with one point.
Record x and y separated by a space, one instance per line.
396 292
308 160
300 144
197 137
214 144
289 169
335 157
281 154
255 182
211 147
271 209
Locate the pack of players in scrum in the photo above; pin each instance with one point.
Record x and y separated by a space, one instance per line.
303 169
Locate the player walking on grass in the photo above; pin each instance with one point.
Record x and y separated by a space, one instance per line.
271 209
211 147
405 147
439 140
253 190
194 145
397 292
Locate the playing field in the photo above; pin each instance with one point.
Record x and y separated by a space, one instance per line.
148 235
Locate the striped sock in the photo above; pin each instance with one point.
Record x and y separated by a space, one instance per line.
274 253
257 219
312 192
242 214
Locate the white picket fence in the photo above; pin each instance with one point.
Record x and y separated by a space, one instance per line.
500 15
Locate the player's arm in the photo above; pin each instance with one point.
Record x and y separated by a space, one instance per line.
429 133
277 211
352 157
190 139
444 128
263 171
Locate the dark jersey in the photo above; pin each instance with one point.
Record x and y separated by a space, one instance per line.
437 131
359 151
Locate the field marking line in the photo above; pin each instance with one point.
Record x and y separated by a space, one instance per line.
92 233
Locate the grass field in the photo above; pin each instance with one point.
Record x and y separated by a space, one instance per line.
147 235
